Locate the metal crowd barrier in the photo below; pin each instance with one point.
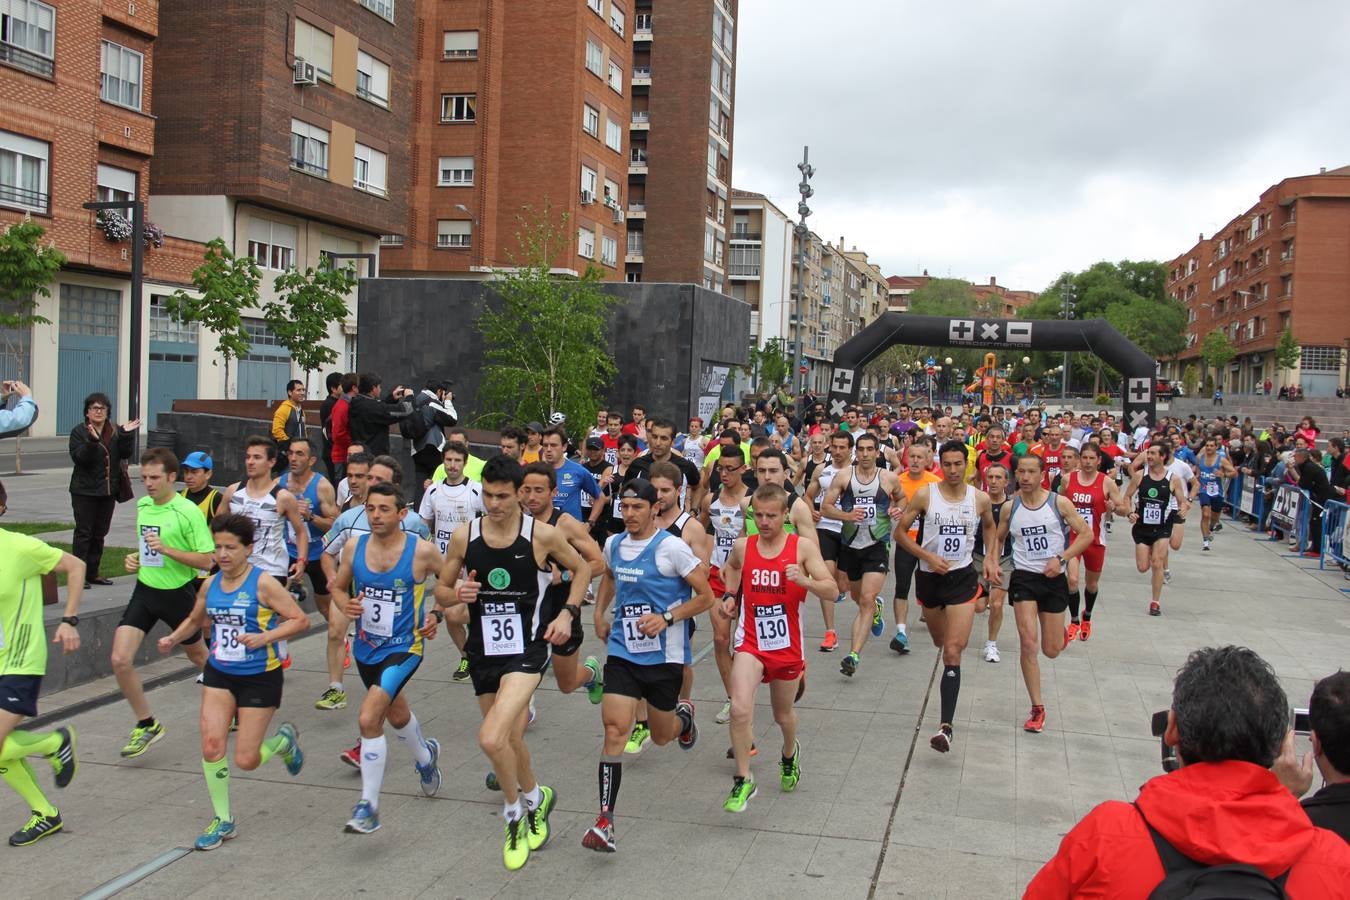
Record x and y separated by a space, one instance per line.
1335 520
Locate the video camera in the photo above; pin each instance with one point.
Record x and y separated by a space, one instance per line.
1171 762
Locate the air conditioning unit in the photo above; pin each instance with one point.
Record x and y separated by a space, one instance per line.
304 73
618 215
587 198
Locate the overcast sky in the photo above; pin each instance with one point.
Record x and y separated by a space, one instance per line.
1021 140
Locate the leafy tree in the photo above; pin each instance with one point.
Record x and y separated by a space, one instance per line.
307 306
1288 355
772 365
547 339
1190 380
27 267
1217 351
228 285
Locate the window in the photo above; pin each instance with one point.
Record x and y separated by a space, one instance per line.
709 243
121 75
590 120
589 182
23 172
616 19
461 45
586 243
611 194
642 22
609 251
597 6
164 327
314 45
309 148
27 30
455 171
1321 359
372 79
459 107
454 233
595 57
116 185
370 171
616 76
383 8
613 136
89 311
271 244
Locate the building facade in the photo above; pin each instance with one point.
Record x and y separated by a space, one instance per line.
1282 264
991 299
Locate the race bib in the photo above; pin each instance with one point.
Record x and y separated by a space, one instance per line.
1036 543
617 512
503 632
227 647
1211 488
1152 515
1087 516
771 627
378 609
443 538
867 504
952 542
150 559
635 641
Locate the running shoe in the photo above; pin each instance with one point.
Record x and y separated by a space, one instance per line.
430 774
1218 526
534 714
595 688
878 620
849 664
141 739
1167 576
830 642
754 751
790 770
991 652
600 836
536 820
38 827
64 761
638 739
516 852
1154 608
689 737
352 756
292 755
942 741
1107 526
1070 632
364 819
285 662
724 714
333 698
900 643
743 790
462 670
1204 545
843 595
347 652
1036 723
1086 631
215 834
492 783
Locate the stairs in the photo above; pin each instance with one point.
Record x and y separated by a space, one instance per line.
1331 414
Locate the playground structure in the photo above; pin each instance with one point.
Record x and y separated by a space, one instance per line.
989 383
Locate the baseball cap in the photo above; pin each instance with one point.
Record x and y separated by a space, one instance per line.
198 460
594 443
535 427
639 489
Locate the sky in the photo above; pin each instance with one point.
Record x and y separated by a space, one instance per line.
1021 140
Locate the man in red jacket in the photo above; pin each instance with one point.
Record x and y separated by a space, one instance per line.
1228 721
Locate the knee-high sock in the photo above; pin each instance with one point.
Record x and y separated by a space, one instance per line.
1090 598
218 786
411 734
1075 598
271 747
18 774
28 743
373 753
611 774
950 690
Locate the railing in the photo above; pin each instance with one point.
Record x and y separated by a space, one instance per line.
639 157
642 71
464 53
20 58
744 271
367 94
311 168
746 236
637 207
391 240
634 248
1334 534
369 188
34 200
641 116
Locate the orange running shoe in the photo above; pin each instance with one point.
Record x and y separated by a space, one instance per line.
1070 632
1085 631
831 641
1037 721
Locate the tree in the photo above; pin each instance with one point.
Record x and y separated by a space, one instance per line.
27 267
772 365
546 337
228 285
1190 380
1288 355
1217 351
307 306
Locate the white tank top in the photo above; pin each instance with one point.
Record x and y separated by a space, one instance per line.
949 527
269 529
1037 534
728 522
827 472
1183 471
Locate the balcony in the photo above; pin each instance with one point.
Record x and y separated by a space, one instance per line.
637 162
391 240
642 76
637 210
309 168
20 58
754 236
745 270
642 27
642 120
13 195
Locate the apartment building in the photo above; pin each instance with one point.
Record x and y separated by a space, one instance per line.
759 264
285 133
991 299
1283 263
80 127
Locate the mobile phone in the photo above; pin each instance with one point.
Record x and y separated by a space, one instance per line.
1302 722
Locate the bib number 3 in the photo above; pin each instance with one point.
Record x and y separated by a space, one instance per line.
377 613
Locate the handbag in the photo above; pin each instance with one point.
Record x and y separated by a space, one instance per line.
124 492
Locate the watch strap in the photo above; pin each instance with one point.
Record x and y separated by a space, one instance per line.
71 620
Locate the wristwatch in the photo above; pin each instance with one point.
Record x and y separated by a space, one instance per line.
1062 560
440 616
71 620
669 618
574 610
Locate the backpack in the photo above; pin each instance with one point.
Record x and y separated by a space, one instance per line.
414 427
1183 877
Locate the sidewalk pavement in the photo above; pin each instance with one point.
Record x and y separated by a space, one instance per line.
877 813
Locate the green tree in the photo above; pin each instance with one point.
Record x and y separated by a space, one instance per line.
27 267
546 337
308 304
771 365
228 286
1217 351
891 365
949 297
1288 355
1190 380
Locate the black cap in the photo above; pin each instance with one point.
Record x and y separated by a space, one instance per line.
639 489
594 443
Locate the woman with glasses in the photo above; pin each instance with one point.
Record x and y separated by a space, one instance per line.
98 482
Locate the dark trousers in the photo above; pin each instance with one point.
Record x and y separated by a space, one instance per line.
93 518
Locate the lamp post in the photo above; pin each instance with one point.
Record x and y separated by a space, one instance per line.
137 264
1066 312
803 233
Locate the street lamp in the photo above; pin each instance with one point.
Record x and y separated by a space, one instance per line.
802 232
137 263
948 360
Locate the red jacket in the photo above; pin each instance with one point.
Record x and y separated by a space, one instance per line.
1212 812
339 430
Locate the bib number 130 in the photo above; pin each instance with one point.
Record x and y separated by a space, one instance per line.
771 628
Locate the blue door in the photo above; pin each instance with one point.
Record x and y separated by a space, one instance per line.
264 371
86 352
173 361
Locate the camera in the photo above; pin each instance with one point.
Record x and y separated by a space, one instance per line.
1170 761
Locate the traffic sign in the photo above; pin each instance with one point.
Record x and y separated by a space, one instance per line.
805 369
932 371
931 362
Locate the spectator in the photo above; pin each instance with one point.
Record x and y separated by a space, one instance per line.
1338 468
1268 386
339 423
369 418
15 421
1228 721
433 412
288 422
1307 427
1313 479
99 481
334 385
1329 719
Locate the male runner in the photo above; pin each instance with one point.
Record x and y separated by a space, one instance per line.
1050 449
346 491
994 596
23 662
509 637
864 498
174 543
771 469
318 508
947 583
1039 522
1153 488
828 531
995 451
574 481
686 527
380 584
917 473
660 441
1093 495
1212 465
690 444
196 471
445 507
723 514
774 570
649 579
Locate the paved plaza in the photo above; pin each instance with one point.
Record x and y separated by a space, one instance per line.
877 813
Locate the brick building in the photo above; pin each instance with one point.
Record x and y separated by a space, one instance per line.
993 297
1283 263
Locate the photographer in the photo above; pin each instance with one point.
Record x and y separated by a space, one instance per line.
369 418
1223 806
433 411
1329 724
16 420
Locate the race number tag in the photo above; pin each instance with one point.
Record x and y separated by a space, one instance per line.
503 630
1087 517
227 647
771 627
1153 515
953 542
1211 489
1036 542
635 641
150 559
867 503
443 538
378 608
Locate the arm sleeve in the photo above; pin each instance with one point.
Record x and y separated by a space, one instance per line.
20 417
279 421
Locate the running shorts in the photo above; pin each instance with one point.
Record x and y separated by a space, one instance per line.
171 606
830 544
953 589
659 685
1050 594
1005 567
318 581
1150 534
261 690
777 668
19 694
855 563
391 673
1094 557
486 671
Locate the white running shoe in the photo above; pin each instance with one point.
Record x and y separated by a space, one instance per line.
991 652
1167 576
724 714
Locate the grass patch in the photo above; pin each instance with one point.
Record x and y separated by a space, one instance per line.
112 565
36 527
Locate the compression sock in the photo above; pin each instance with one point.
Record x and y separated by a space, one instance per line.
218 786
27 743
411 734
18 774
1075 598
1090 598
532 797
270 748
950 689
373 752
611 774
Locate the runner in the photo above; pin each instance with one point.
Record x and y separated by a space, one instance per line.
509 640
23 662
650 576
247 614
445 507
917 473
1212 465
774 569
608 512
346 498
771 469
995 595
690 444
947 583
1039 523
660 439
1155 487
380 584
1094 496
1050 449
1191 485
575 484
818 479
196 471
175 543
594 462
723 514
995 451
671 517
862 498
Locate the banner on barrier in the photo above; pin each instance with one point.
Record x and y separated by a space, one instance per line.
1288 504
1247 502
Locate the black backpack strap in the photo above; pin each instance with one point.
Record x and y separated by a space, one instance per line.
1172 859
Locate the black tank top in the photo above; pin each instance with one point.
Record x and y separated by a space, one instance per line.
513 585
677 527
1153 498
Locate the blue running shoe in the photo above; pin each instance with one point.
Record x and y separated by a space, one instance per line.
364 819
292 756
878 620
430 774
215 834
900 643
